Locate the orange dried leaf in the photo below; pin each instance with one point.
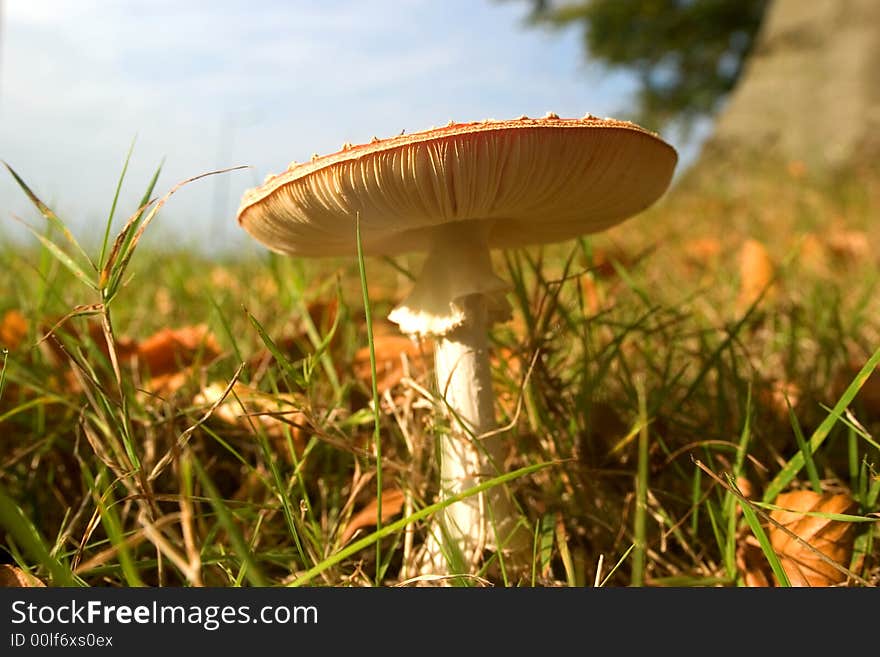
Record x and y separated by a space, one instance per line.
756 272
13 329
323 313
125 347
604 260
251 409
171 350
66 328
390 350
15 577
752 564
813 254
849 245
745 487
832 538
592 297
777 395
702 251
165 385
507 361
392 504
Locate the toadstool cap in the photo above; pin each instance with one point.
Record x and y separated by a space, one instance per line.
523 181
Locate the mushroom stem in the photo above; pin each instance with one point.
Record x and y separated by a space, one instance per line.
456 299
467 459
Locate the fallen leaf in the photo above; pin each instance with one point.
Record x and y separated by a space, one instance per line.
848 245
125 347
166 385
748 491
591 294
507 361
813 254
323 313
604 260
13 329
392 504
171 350
164 359
59 334
833 538
745 488
167 357
251 409
752 564
66 328
390 350
15 577
777 395
756 272
702 251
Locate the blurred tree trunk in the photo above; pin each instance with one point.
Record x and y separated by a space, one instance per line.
810 91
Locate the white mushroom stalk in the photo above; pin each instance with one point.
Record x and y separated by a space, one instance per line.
456 299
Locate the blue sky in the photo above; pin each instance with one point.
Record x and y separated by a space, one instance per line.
229 82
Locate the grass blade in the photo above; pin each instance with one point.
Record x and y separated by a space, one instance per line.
5 353
641 512
764 541
49 215
123 239
810 464
117 262
106 239
617 565
377 439
56 251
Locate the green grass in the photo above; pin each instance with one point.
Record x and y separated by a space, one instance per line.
640 396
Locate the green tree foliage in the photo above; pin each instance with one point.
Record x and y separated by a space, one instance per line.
688 54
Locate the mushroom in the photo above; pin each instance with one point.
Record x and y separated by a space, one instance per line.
456 192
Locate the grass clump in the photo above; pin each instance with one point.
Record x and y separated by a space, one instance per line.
171 419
